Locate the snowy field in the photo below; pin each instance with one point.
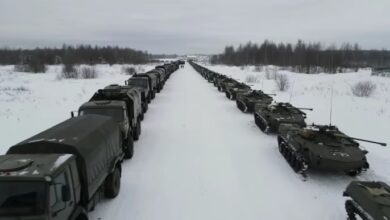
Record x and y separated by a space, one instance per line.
30 103
199 157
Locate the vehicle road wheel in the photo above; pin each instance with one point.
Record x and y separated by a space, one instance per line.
263 125
353 173
113 184
281 148
129 148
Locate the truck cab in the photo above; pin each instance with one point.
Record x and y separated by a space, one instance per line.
142 83
117 110
38 186
62 172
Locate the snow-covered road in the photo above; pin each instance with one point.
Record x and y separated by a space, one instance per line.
200 158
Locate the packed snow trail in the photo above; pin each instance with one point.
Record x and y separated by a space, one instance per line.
200 158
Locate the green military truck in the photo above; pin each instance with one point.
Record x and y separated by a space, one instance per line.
153 82
133 106
124 106
141 83
61 173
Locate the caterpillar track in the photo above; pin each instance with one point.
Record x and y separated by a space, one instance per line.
293 157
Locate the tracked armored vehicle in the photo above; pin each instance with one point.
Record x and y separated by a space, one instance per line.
211 77
247 101
368 200
217 79
224 83
232 91
322 147
269 118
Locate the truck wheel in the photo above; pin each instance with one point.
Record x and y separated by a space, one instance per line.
145 107
113 184
82 217
129 148
137 131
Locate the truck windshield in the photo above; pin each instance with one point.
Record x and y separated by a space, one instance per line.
138 82
117 114
22 198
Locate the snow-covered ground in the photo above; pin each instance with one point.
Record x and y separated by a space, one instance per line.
30 103
199 157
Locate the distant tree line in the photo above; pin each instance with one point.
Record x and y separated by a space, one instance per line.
304 57
82 54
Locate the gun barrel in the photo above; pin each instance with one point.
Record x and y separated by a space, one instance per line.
360 139
272 94
308 109
373 142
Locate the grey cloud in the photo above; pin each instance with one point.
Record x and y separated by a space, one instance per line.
183 26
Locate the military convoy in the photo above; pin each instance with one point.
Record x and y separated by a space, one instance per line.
314 147
62 172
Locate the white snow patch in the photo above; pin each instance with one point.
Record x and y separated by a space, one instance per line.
60 160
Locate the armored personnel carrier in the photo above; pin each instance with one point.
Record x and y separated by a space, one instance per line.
322 147
211 77
232 91
246 101
218 78
226 82
368 200
269 118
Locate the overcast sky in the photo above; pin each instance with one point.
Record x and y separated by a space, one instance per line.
192 26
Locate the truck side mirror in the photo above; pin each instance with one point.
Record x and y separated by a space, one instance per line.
74 114
65 191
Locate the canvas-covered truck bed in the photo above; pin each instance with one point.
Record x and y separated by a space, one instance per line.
93 139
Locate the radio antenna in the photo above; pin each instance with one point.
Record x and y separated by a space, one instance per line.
292 91
331 106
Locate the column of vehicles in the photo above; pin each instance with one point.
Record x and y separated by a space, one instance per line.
62 172
309 147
